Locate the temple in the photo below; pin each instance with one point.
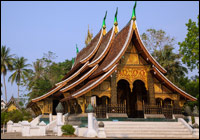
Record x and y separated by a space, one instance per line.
116 74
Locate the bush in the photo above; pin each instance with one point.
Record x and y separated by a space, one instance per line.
68 129
15 116
193 120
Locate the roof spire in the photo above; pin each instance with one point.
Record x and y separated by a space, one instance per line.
104 22
72 61
115 20
133 14
77 51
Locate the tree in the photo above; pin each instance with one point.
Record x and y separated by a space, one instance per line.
38 72
89 37
6 64
20 71
45 75
156 40
171 62
190 46
191 86
161 47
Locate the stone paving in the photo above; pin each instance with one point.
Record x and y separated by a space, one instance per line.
19 136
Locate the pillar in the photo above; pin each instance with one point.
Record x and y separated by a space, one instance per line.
114 88
42 127
26 128
90 131
50 117
59 118
151 92
101 132
59 123
59 131
9 126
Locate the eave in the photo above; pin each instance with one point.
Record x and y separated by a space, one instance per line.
102 51
90 85
104 47
117 50
170 85
55 89
88 52
140 46
84 77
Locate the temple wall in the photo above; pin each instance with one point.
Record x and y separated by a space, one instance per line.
45 106
11 107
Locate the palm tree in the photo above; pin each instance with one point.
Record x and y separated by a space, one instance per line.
38 72
20 71
6 64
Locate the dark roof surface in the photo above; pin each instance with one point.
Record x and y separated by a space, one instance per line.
116 47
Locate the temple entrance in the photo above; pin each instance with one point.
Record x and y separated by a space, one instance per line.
134 100
101 106
123 96
55 104
139 97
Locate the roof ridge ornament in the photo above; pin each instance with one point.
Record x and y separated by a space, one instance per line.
104 24
73 61
133 13
77 51
104 21
115 22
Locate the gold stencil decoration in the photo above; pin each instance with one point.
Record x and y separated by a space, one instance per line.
132 74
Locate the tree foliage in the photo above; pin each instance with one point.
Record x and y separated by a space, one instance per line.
191 86
6 64
161 47
155 40
15 116
45 74
190 46
20 71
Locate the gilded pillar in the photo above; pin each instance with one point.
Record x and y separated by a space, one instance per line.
151 92
113 89
68 106
176 102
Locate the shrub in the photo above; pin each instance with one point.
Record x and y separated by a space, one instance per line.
68 129
193 120
15 116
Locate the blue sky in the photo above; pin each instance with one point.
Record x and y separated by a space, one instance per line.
31 29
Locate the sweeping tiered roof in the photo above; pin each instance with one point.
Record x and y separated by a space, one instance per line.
100 58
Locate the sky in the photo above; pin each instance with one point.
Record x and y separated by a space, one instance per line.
32 28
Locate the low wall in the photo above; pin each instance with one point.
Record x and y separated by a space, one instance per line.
17 127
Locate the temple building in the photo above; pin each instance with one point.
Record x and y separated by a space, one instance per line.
13 104
115 71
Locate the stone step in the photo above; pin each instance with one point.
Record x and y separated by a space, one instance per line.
144 127
149 133
149 136
141 123
146 130
50 133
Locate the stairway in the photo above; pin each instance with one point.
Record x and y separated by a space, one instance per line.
166 130
50 133
73 119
